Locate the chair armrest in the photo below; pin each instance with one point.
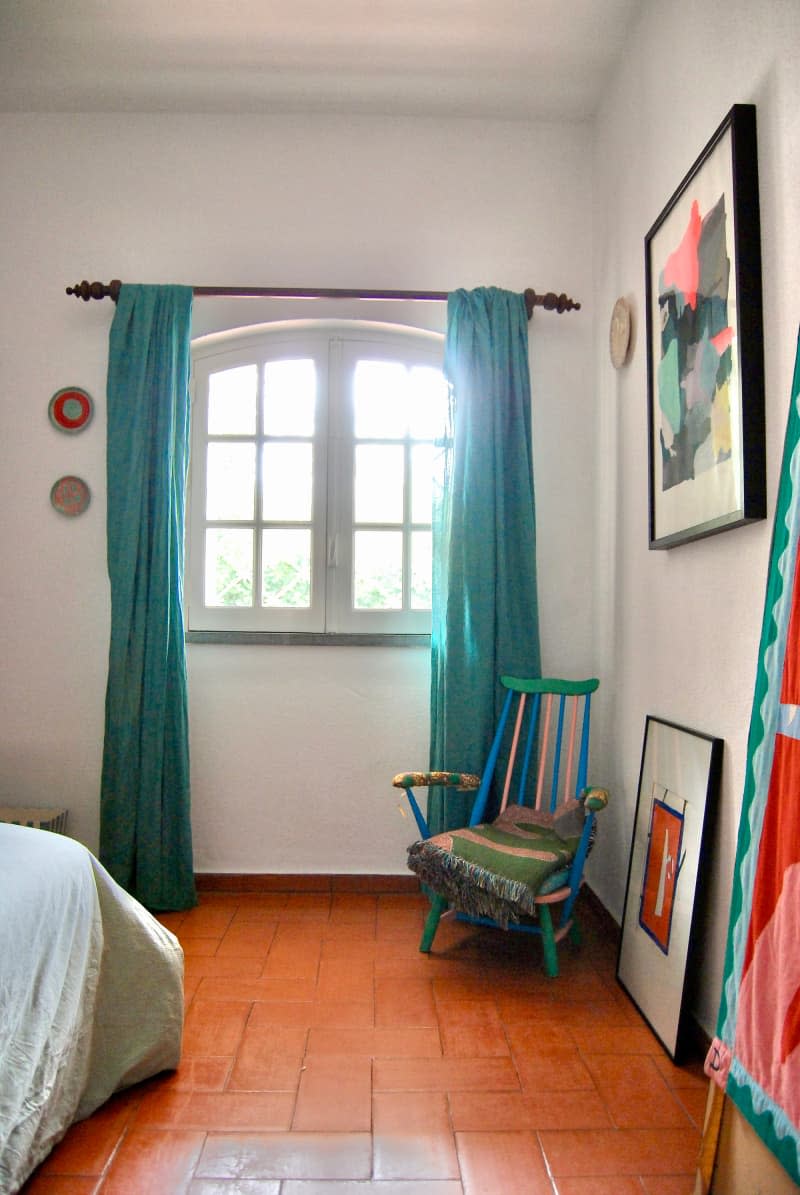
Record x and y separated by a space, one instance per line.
595 798
463 781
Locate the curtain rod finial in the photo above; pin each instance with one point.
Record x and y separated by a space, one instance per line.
95 290
550 302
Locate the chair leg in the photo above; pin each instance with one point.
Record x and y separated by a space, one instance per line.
548 942
438 906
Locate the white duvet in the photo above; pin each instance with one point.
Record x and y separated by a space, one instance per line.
91 993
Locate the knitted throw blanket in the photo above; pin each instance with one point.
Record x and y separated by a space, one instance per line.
497 870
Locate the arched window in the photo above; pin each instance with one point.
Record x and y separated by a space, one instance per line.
314 454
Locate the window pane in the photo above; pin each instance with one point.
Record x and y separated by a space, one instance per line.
378 570
286 569
287 475
232 401
421 562
290 395
379 483
422 458
229 567
380 399
428 402
230 481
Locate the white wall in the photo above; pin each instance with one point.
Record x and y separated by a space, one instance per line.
678 630
293 748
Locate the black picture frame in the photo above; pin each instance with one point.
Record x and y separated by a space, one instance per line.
680 774
705 355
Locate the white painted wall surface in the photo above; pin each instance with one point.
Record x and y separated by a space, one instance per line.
293 748
678 630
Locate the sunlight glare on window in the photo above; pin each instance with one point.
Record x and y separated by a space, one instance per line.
379 483
286 483
230 480
428 403
290 397
229 567
286 568
378 570
232 401
380 398
421 561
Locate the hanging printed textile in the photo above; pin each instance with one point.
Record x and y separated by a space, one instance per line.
755 1057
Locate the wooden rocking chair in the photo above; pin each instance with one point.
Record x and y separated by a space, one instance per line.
512 871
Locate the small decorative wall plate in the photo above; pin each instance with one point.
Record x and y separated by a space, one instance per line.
619 333
70 496
70 409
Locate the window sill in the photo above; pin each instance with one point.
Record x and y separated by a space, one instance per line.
306 639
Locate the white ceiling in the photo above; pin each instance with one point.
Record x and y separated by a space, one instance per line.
538 59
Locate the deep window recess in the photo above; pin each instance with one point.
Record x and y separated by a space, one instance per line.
315 450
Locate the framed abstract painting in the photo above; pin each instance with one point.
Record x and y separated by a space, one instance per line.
705 359
678 779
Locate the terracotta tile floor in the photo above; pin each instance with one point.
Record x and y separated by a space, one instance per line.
323 1055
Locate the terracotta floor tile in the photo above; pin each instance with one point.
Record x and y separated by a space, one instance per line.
692 1075
376 1043
292 1013
261 908
218 1111
334 1094
539 1036
200 947
151 1162
88 1145
247 940
668 1184
206 921
286 1155
198 1074
404 1002
471 1111
602 1039
269 1061
306 906
342 980
553 1070
635 1092
253 990
600 1186
60 1184
694 1101
354 907
496 1163
212 967
244 1186
621 1151
288 959
419 1187
214 1027
444 1074
341 1014
412 1137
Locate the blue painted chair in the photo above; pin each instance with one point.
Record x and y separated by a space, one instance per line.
527 863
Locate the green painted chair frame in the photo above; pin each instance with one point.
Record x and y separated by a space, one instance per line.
543 734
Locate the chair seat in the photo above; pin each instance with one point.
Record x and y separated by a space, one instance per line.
499 869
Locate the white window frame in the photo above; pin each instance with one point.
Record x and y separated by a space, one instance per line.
335 346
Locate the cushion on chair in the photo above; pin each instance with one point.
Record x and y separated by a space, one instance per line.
496 870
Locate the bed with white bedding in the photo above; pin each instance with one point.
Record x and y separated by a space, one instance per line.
91 993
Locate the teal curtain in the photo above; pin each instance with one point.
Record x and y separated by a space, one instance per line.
145 829
485 606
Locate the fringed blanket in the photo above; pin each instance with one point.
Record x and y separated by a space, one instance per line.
497 870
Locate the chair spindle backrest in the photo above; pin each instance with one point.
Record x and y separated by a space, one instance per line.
543 743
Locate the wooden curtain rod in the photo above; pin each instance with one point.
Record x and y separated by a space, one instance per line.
101 290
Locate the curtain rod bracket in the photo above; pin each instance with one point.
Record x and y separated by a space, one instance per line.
101 290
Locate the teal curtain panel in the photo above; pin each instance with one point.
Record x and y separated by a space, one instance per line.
145 828
755 1056
485 606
